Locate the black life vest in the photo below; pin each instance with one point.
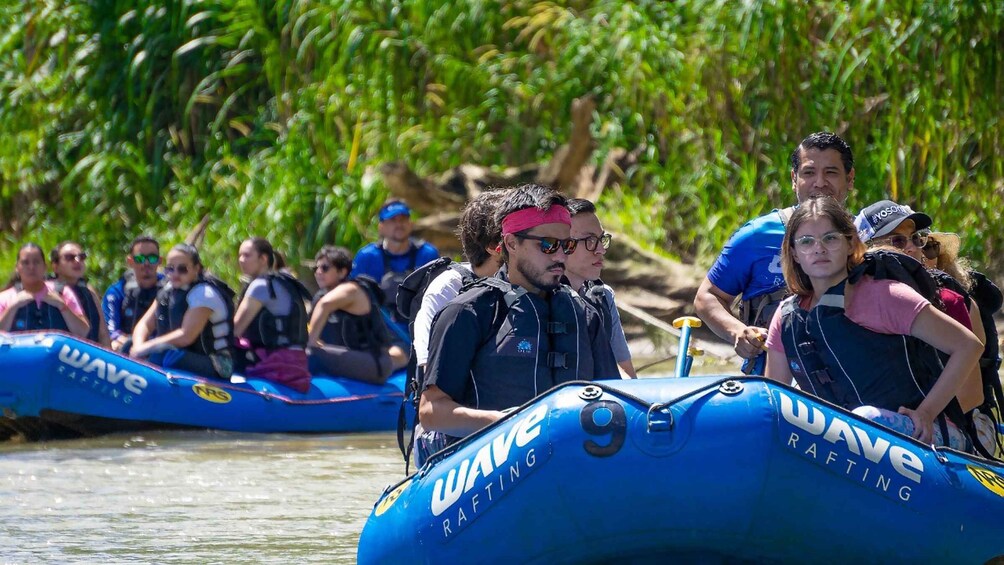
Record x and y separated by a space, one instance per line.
87 303
136 301
410 292
593 293
366 332
31 316
851 366
989 298
271 331
172 303
532 343
391 280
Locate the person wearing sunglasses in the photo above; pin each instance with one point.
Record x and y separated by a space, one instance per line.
125 301
871 345
190 326
30 302
749 266
68 266
514 335
348 335
886 225
271 318
583 269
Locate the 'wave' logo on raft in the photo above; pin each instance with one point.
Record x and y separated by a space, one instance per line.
474 484
848 450
79 366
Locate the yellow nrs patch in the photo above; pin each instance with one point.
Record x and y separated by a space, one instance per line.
391 498
989 479
211 393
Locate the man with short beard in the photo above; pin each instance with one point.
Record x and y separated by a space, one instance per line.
517 334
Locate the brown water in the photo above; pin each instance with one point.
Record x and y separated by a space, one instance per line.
192 497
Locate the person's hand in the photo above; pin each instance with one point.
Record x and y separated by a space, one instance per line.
923 426
751 342
55 300
140 351
22 298
119 342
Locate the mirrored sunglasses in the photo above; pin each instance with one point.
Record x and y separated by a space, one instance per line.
550 245
148 259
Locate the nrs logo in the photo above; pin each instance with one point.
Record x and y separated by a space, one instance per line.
102 369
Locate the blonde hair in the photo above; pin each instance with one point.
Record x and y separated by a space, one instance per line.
820 207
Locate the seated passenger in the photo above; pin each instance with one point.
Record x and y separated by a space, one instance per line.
886 225
348 336
68 268
583 268
126 301
845 342
271 319
32 303
189 326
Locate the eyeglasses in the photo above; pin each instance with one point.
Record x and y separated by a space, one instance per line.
74 256
550 245
322 268
899 241
149 259
180 269
592 241
830 241
933 249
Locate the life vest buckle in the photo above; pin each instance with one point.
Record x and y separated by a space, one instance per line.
822 376
558 360
557 328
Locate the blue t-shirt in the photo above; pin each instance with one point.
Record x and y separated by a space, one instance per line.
750 263
369 260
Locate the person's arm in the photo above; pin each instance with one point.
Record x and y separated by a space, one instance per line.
144 328
945 334
443 288
338 298
75 320
103 338
191 326
9 312
713 307
246 311
618 341
111 309
437 411
777 367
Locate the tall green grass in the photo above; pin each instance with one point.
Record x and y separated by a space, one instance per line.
122 116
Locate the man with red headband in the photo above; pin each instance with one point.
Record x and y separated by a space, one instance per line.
519 333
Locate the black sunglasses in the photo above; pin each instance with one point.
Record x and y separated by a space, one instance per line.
933 249
550 245
149 259
322 268
74 256
592 241
180 269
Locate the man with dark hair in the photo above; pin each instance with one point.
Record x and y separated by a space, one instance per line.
396 254
750 264
519 333
126 301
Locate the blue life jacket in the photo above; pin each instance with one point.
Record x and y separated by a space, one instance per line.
31 317
136 300
270 331
366 332
172 303
91 309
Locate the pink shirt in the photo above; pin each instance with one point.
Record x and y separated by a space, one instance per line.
885 307
955 306
7 296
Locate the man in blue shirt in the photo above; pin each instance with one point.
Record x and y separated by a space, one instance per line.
394 256
750 264
126 301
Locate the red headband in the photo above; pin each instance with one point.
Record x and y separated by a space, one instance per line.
522 220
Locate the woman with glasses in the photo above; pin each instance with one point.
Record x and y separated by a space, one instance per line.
30 302
271 318
348 336
583 268
189 326
68 267
869 346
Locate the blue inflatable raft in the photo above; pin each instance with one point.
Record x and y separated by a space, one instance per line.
55 385
689 470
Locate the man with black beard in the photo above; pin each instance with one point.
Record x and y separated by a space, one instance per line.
518 333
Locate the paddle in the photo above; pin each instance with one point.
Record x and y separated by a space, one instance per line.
685 354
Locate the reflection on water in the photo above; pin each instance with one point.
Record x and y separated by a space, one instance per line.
192 497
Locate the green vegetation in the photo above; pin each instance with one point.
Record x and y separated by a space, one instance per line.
142 115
